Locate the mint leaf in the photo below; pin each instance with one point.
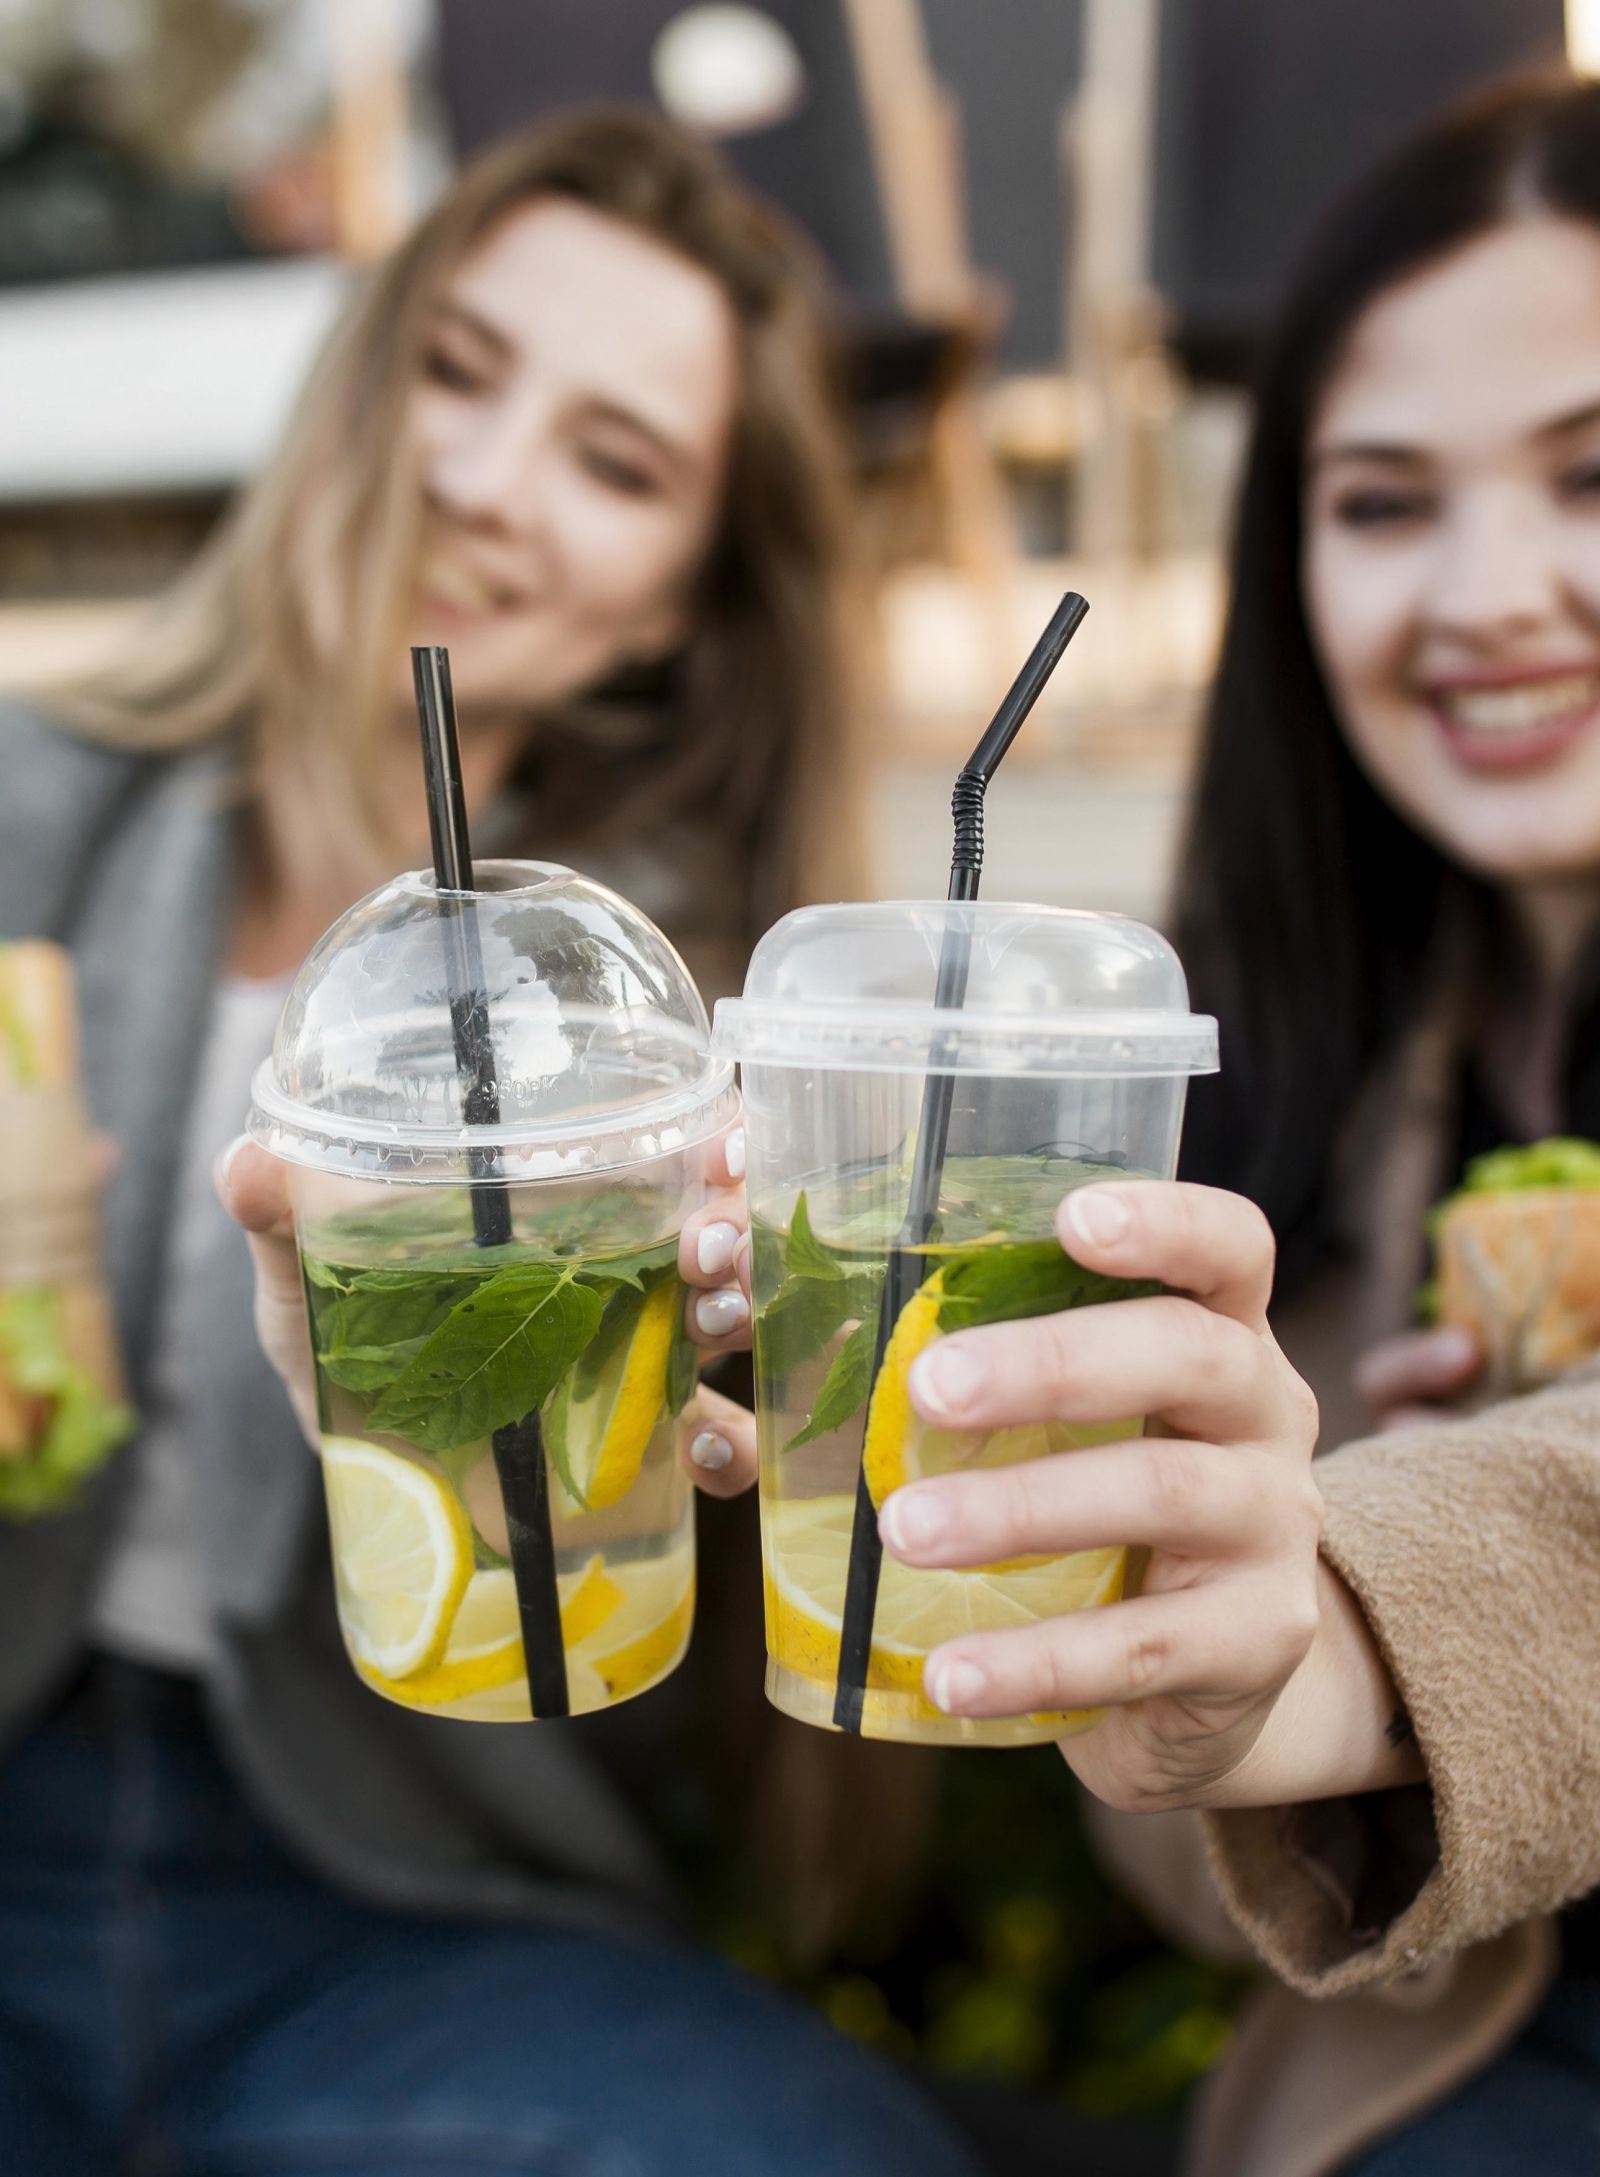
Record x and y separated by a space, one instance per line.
555 1426
805 1314
845 1386
1035 1277
804 1254
496 1356
365 1369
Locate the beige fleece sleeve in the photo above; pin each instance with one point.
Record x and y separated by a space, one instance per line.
1474 1550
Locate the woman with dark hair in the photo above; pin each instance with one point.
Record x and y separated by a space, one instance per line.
1391 899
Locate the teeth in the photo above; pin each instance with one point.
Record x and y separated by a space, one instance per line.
1520 710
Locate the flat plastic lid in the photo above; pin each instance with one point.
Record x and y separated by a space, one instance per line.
599 1041
1049 990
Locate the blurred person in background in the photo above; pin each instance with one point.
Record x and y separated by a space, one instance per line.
1391 899
578 428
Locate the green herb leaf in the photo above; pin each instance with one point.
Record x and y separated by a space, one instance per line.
1005 1284
555 1426
366 1369
804 1254
83 1427
845 1386
496 1356
805 1314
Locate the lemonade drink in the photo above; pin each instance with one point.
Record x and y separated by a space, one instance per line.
497 1323
422 1351
1066 1064
817 1302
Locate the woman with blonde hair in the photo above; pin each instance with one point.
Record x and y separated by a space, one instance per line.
578 428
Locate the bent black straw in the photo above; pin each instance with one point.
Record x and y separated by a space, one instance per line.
906 1269
518 1447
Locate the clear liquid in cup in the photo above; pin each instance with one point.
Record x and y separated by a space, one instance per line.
424 1346
819 1262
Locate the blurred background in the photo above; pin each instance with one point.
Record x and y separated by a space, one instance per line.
1058 228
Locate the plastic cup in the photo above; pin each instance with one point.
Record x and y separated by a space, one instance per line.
512 1531
1068 1063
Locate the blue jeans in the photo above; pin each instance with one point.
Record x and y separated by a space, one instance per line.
178 1998
1535 2112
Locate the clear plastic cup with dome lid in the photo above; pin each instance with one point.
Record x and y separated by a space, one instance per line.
496 1317
1062 1058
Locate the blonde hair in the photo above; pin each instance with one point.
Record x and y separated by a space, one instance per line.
288 627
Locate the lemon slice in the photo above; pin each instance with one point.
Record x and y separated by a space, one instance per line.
402 1554
485 1646
806 1547
600 1419
901 1447
891 1413
623 1628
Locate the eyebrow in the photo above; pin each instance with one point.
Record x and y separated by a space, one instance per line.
600 406
1395 454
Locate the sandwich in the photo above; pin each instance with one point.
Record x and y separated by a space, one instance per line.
1517 1252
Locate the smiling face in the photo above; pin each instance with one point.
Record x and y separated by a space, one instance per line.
1452 549
572 420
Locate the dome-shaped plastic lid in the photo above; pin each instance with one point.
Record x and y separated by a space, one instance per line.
1049 990
596 1037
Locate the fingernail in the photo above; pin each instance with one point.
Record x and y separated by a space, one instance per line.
733 1153
1098 1215
226 1161
947 1379
715 1249
915 1519
1454 1348
954 1683
719 1313
711 1451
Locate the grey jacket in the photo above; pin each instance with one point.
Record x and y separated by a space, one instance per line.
127 859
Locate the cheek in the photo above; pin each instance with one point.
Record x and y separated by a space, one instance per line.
1362 606
624 559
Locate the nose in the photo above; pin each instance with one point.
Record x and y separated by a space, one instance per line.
1497 571
482 471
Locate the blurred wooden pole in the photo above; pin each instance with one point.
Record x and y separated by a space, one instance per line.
914 129
371 104
1114 316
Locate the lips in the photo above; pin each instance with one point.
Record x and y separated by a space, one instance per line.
1516 724
461 589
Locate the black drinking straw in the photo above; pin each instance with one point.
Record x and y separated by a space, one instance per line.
518 1447
906 1269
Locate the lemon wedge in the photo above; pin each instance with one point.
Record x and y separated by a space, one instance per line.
806 1550
402 1554
600 1419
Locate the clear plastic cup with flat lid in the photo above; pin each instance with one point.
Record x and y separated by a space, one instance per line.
1066 1062
490 1261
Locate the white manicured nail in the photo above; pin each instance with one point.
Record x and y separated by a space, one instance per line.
225 1162
1098 1216
715 1249
733 1153
711 1451
719 1314
953 1683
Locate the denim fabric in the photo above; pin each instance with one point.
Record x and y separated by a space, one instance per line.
1533 2113
180 1998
